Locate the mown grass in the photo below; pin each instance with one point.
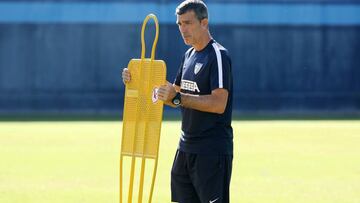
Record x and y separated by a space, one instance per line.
274 161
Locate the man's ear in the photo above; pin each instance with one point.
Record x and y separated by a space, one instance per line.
205 23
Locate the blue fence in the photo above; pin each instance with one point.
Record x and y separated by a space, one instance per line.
288 56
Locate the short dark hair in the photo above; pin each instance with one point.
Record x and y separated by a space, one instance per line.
197 6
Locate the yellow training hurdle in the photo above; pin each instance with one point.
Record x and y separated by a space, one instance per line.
142 115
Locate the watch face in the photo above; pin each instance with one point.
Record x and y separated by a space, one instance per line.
176 101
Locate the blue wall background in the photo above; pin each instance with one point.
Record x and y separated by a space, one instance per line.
65 57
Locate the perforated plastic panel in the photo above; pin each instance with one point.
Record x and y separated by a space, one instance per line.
142 115
142 111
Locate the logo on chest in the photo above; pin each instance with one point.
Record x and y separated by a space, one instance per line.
197 67
189 85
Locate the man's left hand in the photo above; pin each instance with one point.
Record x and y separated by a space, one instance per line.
166 92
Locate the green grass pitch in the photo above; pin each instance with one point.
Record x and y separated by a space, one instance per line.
274 162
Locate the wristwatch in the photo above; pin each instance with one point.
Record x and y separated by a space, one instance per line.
177 99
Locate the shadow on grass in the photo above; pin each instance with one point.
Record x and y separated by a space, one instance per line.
175 116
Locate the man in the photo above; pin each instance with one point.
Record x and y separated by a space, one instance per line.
203 90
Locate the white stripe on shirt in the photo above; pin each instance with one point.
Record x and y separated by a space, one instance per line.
219 62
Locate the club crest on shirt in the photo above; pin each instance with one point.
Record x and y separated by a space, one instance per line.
198 67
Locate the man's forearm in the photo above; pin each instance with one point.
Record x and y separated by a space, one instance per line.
206 103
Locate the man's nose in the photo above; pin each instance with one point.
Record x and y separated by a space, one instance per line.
183 29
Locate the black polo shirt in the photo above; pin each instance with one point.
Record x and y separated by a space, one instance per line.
200 73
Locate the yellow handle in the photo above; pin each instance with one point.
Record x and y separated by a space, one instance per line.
156 36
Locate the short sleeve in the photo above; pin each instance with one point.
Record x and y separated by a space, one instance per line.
220 76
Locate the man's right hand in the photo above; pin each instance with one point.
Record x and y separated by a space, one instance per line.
126 77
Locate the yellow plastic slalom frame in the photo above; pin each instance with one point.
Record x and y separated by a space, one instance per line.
142 114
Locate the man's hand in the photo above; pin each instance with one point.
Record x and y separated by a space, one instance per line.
166 92
126 77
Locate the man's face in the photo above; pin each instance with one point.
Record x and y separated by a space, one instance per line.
190 27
